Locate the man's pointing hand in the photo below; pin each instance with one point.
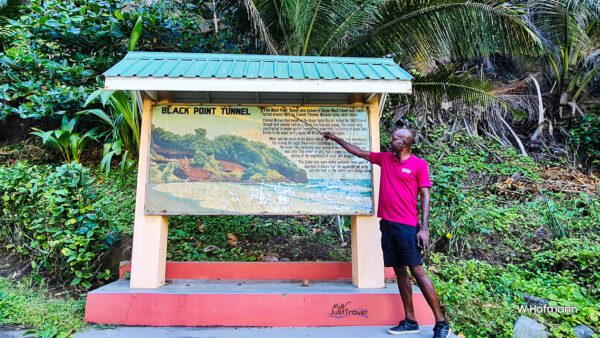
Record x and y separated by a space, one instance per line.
329 136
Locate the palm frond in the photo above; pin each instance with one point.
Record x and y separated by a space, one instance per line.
462 29
560 24
446 84
571 37
341 22
310 28
260 27
589 73
591 7
296 17
593 32
459 98
592 60
349 19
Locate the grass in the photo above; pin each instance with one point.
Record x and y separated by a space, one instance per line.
35 309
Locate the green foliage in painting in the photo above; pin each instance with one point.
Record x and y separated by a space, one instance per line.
255 160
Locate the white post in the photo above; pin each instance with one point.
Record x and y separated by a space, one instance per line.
367 257
149 251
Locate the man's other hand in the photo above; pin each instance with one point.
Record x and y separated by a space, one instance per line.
423 238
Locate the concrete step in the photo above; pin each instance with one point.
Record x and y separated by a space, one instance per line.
312 332
257 270
233 303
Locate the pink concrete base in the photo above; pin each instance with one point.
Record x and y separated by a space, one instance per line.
347 306
257 270
270 310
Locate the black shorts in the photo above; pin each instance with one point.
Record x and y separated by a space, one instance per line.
399 244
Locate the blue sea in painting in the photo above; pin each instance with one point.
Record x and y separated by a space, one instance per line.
318 196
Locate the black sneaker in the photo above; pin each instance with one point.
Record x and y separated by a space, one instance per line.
441 330
404 327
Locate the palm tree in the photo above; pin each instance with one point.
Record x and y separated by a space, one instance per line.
416 32
570 31
422 35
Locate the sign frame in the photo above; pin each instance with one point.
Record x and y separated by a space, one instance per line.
369 134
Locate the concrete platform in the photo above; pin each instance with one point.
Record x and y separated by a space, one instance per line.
184 332
251 303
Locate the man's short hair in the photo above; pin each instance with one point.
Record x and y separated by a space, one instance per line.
412 133
405 128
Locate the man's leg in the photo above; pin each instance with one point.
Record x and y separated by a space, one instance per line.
427 289
405 288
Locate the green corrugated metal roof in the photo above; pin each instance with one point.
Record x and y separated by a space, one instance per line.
172 65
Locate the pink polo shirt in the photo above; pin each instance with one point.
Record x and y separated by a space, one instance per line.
399 188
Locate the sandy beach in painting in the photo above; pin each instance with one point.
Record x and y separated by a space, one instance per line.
350 197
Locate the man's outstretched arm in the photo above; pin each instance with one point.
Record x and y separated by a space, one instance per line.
352 149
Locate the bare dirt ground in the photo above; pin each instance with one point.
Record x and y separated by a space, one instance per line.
13 266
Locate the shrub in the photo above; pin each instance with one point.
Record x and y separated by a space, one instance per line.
53 215
576 256
55 51
248 238
587 136
119 191
482 300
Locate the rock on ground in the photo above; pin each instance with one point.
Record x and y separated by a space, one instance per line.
526 327
582 331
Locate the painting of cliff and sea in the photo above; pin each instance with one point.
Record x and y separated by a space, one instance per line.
219 160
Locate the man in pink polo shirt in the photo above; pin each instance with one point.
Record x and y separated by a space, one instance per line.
403 178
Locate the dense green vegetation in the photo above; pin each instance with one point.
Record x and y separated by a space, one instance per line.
503 225
499 231
254 238
53 52
498 68
482 299
53 216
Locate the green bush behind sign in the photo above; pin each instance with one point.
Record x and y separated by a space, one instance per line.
53 215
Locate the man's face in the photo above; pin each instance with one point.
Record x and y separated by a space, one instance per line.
401 138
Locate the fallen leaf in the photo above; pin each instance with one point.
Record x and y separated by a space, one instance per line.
232 239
